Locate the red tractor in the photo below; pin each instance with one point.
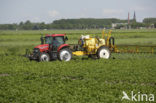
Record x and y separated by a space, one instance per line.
52 47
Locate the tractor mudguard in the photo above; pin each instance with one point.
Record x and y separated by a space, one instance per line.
62 46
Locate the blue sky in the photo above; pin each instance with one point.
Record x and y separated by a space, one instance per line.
14 11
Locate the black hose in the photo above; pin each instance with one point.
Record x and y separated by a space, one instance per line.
111 41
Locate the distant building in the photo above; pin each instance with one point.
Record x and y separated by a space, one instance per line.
119 25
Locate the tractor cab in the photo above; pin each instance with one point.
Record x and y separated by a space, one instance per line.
54 39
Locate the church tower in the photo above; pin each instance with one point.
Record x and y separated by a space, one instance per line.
134 17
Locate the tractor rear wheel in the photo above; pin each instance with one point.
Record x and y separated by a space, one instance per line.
65 55
104 53
44 57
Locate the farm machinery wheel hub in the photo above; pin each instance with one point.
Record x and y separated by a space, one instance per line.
104 54
65 55
44 57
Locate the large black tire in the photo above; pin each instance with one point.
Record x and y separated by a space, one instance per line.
103 52
65 54
44 57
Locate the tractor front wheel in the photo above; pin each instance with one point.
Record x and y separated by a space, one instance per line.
104 53
65 55
44 57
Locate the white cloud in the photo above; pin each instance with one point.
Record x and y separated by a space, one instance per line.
112 11
53 13
138 8
35 19
141 8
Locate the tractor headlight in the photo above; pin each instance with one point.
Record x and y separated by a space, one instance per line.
36 50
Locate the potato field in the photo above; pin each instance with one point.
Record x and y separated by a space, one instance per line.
81 80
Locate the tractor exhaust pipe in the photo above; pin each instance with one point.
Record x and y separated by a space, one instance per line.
42 40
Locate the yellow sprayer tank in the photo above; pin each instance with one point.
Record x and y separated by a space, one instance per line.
92 44
93 47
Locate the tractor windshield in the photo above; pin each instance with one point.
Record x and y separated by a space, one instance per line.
58 40
48 40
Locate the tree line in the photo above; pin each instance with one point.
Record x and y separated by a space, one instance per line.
87 23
